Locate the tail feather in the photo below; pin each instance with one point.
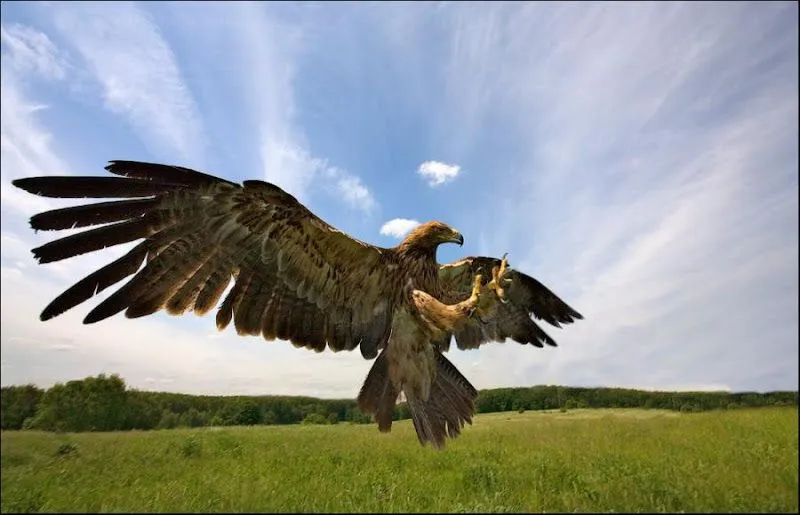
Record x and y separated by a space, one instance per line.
378 395
449 407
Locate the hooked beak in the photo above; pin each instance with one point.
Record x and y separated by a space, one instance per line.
457 238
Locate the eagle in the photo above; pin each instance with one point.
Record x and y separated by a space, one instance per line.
295 278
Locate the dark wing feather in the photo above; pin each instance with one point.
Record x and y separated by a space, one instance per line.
296 277
526 296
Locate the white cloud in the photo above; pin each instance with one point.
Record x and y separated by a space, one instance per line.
25 147
398 227
289 166
29 50
355 193
437 172
350 189
138 74
293 169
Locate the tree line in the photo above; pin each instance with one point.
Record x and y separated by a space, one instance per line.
104 403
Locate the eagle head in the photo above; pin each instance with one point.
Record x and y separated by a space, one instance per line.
433 234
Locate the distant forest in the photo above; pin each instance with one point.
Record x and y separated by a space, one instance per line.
104 403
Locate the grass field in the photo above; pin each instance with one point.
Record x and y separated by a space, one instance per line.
582 460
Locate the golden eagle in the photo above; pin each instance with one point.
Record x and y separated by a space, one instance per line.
296 278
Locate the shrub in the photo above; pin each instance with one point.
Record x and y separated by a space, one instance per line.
66 449
315 418
190 447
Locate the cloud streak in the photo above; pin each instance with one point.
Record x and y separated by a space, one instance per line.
27 146
31 51
268 51
138 74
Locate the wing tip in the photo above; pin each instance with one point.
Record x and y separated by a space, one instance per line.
28 184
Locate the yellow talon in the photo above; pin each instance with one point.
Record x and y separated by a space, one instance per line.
476 288
498 279
503 265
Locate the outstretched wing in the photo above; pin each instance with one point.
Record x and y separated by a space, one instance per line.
525 295
296 277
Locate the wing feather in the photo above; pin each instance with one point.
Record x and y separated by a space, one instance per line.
526 297
295 276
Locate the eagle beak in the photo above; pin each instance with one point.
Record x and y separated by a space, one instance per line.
458 238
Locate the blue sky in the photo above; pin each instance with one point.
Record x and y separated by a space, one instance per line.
639 159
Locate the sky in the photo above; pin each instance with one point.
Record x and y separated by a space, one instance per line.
639 159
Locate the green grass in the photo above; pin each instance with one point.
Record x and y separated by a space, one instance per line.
582 460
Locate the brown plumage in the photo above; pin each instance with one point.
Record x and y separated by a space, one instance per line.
296 278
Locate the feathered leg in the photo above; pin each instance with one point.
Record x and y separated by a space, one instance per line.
442 319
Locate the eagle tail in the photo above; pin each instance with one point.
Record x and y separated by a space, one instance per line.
449 407
378 394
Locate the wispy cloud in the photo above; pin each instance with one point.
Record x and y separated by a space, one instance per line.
350 189
437 172
294 169
398 227
269 50
27 146
29 51
137 72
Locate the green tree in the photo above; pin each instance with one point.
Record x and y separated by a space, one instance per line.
169 420
192 418
18 403
249 414
93 404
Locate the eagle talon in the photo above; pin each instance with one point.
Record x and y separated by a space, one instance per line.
475 297
499 279
476 287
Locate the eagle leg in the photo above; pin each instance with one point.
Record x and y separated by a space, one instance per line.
439 318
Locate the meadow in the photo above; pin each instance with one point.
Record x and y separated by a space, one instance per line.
598 460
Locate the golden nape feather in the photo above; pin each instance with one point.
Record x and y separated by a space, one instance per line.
296 278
